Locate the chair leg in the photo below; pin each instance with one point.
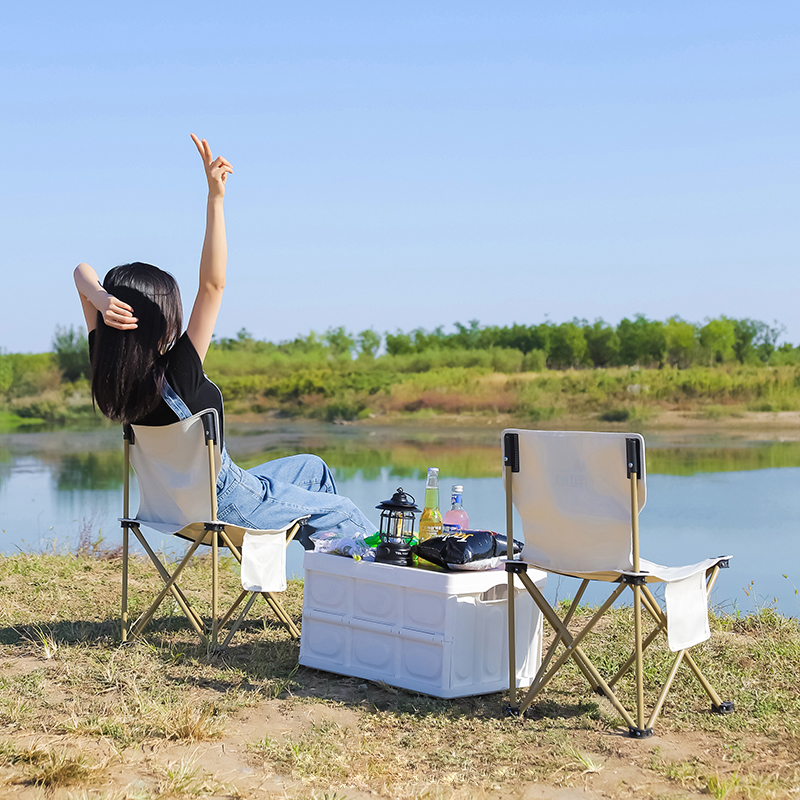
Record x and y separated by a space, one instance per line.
660 615
234 550
637 634
572 649
235 627
178 595
551 650
232 610
170 587
272 601
124 619
632 659
214 586
665 689
563 636
280 613
716 700
512 642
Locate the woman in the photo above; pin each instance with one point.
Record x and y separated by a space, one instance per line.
145 372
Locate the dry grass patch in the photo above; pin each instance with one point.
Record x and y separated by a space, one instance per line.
170 718
46 767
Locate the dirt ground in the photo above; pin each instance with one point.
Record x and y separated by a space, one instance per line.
605 764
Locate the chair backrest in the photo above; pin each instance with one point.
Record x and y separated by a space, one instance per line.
172 467
573 494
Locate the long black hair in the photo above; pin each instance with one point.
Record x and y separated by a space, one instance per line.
128 366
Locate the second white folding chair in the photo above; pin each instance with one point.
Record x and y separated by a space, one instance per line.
579 495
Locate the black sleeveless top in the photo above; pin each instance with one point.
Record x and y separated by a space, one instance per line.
185 375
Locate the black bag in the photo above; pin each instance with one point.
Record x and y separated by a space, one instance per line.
464 549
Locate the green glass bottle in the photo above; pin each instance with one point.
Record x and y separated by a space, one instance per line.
430 523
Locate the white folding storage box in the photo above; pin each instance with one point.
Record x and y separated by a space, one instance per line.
439 633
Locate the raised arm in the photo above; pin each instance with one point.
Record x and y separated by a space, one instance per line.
214 258
95 298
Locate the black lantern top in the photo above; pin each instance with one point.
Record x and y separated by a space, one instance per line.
401 501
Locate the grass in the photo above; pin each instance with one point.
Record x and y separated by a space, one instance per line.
76 706
318 752
9 421
46 767
181 778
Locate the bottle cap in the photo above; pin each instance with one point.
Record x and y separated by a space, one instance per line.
458 490
433 476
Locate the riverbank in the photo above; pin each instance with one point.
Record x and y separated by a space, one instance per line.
755 425
81 716
352 391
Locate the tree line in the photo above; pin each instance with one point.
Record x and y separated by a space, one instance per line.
638 341
633 342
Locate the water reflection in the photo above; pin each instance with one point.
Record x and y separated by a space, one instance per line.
709 458
403 460
706 495
410 459
82 471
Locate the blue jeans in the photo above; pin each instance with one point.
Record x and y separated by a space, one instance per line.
273 495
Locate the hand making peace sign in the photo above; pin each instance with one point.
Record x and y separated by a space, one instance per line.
217 170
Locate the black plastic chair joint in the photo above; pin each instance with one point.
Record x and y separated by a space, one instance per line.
214 526
210 427
632 580
516 567
640 733
511 451
725 707
633 456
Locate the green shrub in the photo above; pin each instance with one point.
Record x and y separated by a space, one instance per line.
496 358
535 361
616 415
32 374
343 409
785 356
6 372
72 353
507 360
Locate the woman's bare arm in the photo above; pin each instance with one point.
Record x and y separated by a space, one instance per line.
95 298
214 258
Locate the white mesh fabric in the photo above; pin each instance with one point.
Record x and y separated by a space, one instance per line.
171 465
574 497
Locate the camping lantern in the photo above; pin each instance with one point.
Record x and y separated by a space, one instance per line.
397 525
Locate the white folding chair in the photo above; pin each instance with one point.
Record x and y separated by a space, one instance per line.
177 467
579 495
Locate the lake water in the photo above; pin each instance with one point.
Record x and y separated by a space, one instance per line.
706 495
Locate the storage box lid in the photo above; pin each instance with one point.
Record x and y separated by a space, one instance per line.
427 578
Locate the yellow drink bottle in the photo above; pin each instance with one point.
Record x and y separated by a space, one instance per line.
430 523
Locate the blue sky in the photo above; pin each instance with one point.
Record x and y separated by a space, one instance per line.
408 164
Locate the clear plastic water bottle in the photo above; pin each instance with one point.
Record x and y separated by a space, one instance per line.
456 519
430 523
